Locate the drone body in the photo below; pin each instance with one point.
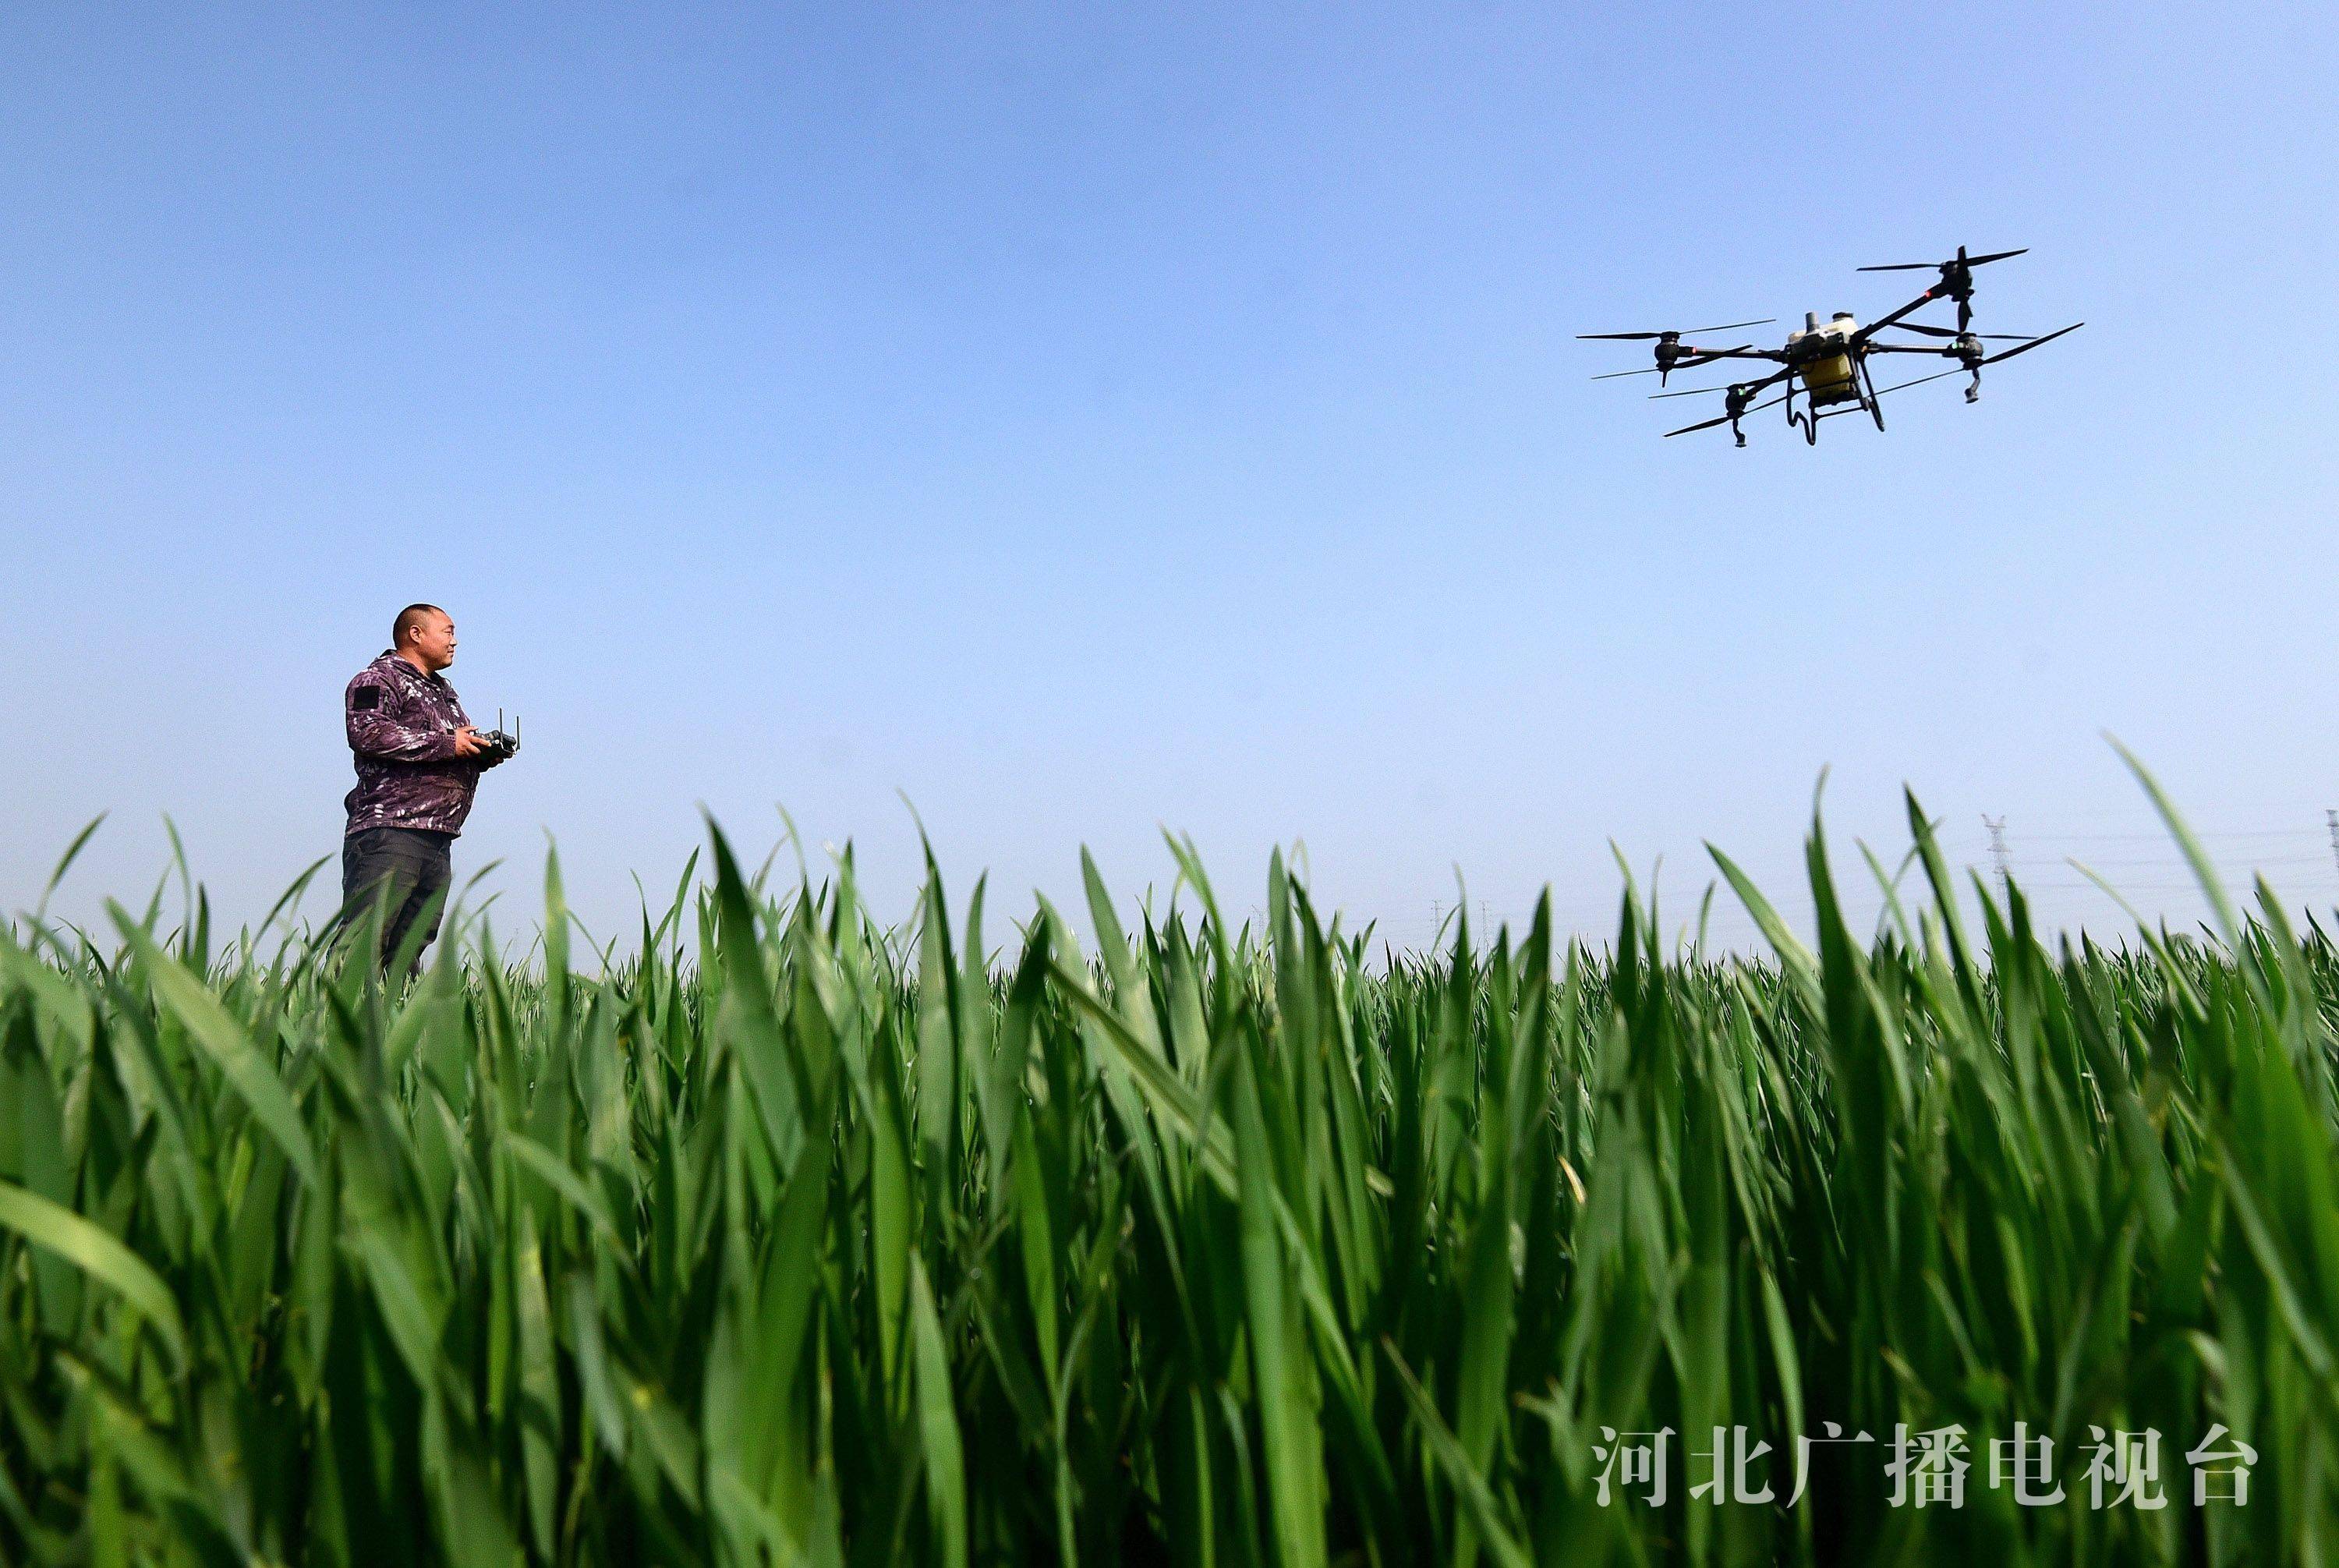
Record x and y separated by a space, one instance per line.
1825 366
1825 358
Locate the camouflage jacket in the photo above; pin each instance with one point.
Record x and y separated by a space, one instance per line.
402 728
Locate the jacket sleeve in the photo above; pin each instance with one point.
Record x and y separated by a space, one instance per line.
372 710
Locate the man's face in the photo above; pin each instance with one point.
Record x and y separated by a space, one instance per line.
434 642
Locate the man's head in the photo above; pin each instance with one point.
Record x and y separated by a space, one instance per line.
424 636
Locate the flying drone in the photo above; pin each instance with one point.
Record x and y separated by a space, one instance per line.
1825 366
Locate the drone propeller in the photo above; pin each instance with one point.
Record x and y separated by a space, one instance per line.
1920 380
1683 332
1706 424
2009 353
1962 259
1690 360
1993 360
1709 424
1946 333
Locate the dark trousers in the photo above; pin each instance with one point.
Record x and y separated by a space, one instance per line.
417 865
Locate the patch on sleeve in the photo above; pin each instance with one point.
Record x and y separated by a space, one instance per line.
366 697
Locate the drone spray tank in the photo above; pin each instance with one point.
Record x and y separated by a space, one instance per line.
1822 356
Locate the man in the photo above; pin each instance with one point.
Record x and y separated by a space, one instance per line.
418 762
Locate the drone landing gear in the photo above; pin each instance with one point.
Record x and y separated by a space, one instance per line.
1973 388
1807 420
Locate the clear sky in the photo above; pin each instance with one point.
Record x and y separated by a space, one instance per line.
1083 421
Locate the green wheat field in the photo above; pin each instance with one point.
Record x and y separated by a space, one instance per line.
801 1239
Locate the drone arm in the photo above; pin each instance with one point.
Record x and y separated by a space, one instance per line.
1746 389
1910 309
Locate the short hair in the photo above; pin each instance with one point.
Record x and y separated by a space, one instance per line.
408 619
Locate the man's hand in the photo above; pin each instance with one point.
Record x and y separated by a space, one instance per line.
467 741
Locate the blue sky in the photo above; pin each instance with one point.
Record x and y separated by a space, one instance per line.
1083 422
